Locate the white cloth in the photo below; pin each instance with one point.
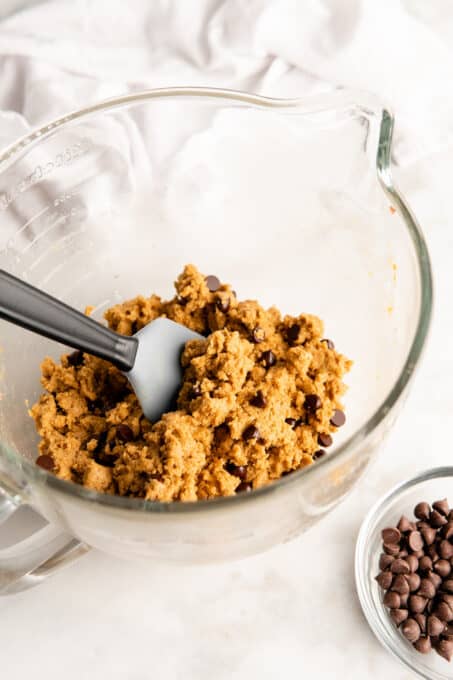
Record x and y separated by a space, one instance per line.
65 53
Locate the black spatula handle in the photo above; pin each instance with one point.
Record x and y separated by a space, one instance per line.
31 308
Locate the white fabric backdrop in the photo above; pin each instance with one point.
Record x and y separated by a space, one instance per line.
65 53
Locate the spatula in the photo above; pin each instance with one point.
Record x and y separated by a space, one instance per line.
150 359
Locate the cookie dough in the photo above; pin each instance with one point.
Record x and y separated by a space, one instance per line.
260 398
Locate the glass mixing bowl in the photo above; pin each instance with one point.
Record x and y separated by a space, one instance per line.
293 202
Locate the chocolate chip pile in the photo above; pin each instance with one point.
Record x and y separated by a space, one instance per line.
416 575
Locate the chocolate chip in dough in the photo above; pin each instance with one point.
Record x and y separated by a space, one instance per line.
268 358
244 486
325 439
319 454
259 400
338 418
237 470
75 358
45 462
223 304
124 433
292 333
212 283
258 335
250 432
329 344
312 403
291 422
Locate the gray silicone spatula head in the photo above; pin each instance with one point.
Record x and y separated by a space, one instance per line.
156 373
150 359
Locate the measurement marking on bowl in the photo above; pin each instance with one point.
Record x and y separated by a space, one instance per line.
57 223
27 224
54 246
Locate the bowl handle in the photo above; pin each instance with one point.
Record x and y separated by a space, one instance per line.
28 562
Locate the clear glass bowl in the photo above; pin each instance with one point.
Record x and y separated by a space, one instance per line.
429 486
293 202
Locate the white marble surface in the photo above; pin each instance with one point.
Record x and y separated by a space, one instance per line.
292 612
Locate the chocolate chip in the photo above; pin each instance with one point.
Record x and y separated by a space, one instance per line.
244 486
392 600
447 530
422 510
391 549
292 334
384 579
223 304
324 439
417 604
414 581
411 630
400 585
251 432
415 540
46 462
338 418
434 625
329 343
418 554
398 615
442 507
385 561
319 454
413 563
268 358
258 400
291 422
448 598
258 335
443 568
195 392
403 600
444 612
448 632
404 525
445 549
429 535
236 470
124 433
391 535
425 563
403 553
75 358
435 579
445 649
432 552
448 585
312 403
436 519
421 620
212 283
423 645
426 589
400 566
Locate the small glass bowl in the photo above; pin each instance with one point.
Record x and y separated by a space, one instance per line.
430 485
